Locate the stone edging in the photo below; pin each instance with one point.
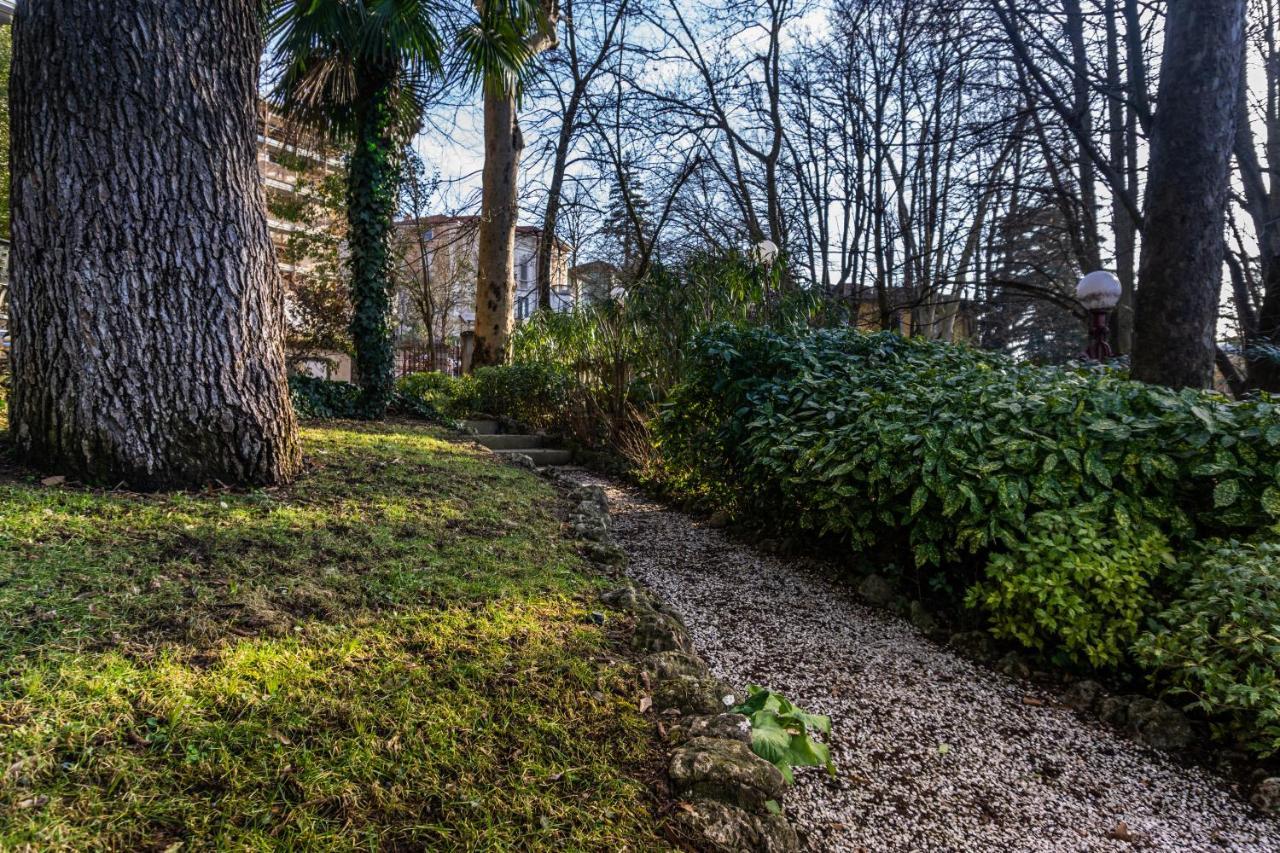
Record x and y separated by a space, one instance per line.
731 799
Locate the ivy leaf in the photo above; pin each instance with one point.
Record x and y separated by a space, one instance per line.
1226 493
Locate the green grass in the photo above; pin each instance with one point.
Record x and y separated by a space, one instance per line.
390 654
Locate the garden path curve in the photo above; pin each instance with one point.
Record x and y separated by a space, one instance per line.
934 752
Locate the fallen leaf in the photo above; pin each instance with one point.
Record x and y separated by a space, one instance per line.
56 480
1120 832
645 704
1033 701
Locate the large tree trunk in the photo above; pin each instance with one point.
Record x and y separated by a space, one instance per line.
1179 277
495 279
371 200
147 311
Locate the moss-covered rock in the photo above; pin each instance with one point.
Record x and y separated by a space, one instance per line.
692 695
660 632
726 726
726 771
727 829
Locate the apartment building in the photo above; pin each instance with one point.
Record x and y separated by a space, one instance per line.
292 164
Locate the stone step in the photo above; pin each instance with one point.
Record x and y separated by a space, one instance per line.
511 441
541 456
485 427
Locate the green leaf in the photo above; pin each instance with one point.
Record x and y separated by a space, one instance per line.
1226 493
1271 501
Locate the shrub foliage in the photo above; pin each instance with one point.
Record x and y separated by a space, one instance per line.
1218 644
1051 497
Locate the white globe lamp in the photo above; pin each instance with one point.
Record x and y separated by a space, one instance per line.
1099 293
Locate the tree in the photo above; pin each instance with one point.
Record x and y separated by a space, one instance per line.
415 261
582 62
355 70
1176 308
6 59
500 47
146 307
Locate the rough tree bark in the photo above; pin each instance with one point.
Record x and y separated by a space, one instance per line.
496 243
147 312
500 202
1176 306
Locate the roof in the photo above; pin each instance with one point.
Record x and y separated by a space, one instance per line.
6 11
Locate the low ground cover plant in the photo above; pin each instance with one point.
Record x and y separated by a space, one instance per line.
1051 500
781 733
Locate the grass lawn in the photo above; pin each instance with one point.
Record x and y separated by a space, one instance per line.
390 654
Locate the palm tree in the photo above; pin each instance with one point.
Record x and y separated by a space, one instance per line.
498 50
354 72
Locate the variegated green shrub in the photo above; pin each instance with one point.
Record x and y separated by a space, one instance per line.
991 473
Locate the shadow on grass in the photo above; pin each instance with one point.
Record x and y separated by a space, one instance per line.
389 654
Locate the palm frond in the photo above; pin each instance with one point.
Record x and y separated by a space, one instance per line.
326 56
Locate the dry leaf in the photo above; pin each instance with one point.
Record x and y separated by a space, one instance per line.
645 704
56 480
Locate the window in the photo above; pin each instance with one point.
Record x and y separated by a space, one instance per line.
522 307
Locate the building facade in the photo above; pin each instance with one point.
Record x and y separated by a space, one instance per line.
447 247
307 234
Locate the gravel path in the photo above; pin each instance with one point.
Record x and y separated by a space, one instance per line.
934 753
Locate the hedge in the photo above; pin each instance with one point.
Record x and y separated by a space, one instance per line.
1052 500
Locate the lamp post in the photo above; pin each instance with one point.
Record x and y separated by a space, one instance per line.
1099 293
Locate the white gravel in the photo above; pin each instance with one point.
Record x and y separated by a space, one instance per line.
934 753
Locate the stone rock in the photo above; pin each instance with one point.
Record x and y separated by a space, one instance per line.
1114 710
1266 795
1013 666
726 829
719 518
726 726
727 771
660 632
665 665
924 621
591 528
1159 725
876 591
692 694
593 495
629 598
900 606
521 460
976 645
1083 695
604 553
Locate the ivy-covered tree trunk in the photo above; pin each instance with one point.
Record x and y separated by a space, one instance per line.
1176 307
371 196
146 308
495 279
